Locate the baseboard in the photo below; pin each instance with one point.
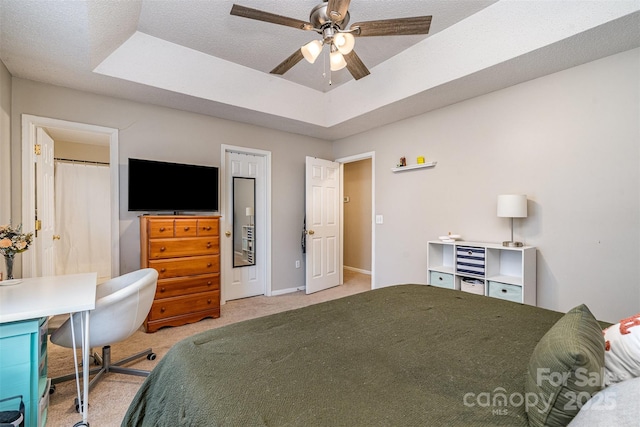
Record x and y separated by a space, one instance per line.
287 291
357 270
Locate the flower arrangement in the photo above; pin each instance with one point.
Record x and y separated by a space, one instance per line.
13 240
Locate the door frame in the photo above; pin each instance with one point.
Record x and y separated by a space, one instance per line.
349 159
30 123
225 225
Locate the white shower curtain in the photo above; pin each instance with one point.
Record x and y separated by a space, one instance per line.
82 217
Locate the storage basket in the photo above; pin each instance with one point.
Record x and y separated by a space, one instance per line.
470 260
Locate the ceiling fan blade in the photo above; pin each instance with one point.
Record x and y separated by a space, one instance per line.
355 65
393 27
337 9
259 15
288 63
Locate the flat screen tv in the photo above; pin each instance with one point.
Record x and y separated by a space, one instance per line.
172 187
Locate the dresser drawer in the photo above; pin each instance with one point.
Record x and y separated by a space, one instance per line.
186 227
183 286
442 280
175 248
159 228
208 227
177 306
505 291
190 266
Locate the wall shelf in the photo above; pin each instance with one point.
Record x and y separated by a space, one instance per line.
413 167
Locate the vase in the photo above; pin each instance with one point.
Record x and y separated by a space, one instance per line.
9 261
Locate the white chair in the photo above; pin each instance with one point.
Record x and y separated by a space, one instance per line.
122 304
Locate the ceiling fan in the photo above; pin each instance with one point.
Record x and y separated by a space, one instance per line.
330 19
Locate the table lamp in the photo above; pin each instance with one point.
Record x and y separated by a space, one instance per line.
512 206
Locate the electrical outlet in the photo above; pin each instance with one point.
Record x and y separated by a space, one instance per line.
298 263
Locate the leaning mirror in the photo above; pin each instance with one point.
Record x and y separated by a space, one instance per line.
244 203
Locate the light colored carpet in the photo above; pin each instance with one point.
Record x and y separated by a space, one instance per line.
110 398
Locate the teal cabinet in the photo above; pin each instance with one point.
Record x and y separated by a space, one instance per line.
23 368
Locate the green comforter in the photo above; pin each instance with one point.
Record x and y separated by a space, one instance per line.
406 355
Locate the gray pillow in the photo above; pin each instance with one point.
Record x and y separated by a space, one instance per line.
617 405
565 369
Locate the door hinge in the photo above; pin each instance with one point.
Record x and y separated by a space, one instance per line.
38 225
37 149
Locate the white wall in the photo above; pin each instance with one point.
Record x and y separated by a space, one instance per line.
570 141
147 131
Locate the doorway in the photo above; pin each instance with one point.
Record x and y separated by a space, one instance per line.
357 213
80 144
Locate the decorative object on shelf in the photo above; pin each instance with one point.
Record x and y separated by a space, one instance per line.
403 162
412 167
13 241
420 160
512 206
450 238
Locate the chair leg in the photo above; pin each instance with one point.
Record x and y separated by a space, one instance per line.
116 367
108 366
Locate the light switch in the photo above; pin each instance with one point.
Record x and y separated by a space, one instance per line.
379 219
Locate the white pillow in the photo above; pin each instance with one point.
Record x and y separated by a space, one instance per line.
622 350
618 405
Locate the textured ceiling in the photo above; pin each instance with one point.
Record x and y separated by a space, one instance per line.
195 56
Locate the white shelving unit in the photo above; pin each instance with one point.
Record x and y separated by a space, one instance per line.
247 244
503 272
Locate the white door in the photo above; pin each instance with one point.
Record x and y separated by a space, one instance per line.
44 241
322 194
249 280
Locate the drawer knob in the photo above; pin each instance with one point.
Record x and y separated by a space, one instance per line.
207 228
209 301
209 283
186 229
162 289
440 278
208 264
162 249
504 291
208 245
162 228
162 270
162 309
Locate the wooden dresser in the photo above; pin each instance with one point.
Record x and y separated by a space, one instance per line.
185 250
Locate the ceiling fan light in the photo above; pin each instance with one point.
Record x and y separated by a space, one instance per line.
311 50
344 42
337 61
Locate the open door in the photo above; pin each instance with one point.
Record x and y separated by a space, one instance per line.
322 201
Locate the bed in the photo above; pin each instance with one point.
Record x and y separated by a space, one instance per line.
406 355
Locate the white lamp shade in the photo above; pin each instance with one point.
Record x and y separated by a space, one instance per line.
249 211
344 42
311 50
512 205
337 61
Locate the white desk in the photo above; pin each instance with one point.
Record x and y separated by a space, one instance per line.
48 296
